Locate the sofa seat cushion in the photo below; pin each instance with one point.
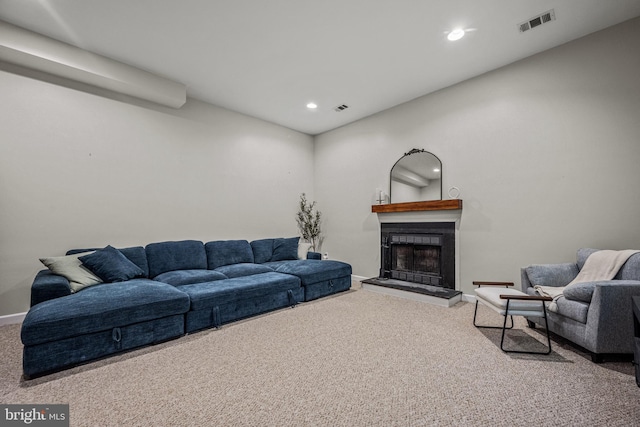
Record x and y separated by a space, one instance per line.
208 295
582 292
243 269
100 308
228 252
575 310
187 277
312 271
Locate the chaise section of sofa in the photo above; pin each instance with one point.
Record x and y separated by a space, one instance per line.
319 278
100 321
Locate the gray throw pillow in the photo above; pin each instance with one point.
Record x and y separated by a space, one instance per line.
71 267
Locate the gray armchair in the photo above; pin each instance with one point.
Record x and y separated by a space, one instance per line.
596 315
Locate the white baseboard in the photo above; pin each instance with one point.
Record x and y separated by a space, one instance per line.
468 298
12 319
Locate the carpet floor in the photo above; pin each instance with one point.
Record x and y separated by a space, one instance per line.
355 359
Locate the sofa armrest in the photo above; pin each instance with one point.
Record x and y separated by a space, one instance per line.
583 292
610 318
48 286
314 255
525 283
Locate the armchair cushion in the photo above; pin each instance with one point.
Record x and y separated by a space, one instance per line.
552 274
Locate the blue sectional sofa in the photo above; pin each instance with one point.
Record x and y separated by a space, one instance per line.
145 295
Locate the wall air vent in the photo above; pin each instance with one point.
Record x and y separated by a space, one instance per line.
537 21
341 107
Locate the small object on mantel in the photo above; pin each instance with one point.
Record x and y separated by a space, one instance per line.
432 205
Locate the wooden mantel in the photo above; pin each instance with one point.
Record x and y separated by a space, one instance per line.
433 205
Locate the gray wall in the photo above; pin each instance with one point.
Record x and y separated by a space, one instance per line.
80 170
545 152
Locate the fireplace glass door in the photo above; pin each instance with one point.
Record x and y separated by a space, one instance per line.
420 259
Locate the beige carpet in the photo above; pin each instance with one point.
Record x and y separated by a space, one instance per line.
357 359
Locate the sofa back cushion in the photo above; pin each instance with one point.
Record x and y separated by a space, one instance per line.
262 250
630 270
582 255
171 256
280 249
228 252
136 255
551 274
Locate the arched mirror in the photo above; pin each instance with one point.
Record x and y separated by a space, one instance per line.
417 176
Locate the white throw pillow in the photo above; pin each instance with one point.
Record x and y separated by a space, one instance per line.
303 248
71 267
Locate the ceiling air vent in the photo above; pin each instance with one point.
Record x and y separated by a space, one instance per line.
341 107
537 20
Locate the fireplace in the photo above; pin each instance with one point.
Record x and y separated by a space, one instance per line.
419 253
418 259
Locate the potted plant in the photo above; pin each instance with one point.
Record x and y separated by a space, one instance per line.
308 219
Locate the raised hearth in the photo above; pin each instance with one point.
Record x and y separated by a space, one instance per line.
436 295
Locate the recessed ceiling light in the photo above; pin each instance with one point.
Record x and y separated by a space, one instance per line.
436 170
456 34
312 105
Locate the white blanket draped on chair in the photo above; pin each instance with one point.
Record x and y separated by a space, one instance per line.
600 265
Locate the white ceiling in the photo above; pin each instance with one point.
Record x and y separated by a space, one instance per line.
269 58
